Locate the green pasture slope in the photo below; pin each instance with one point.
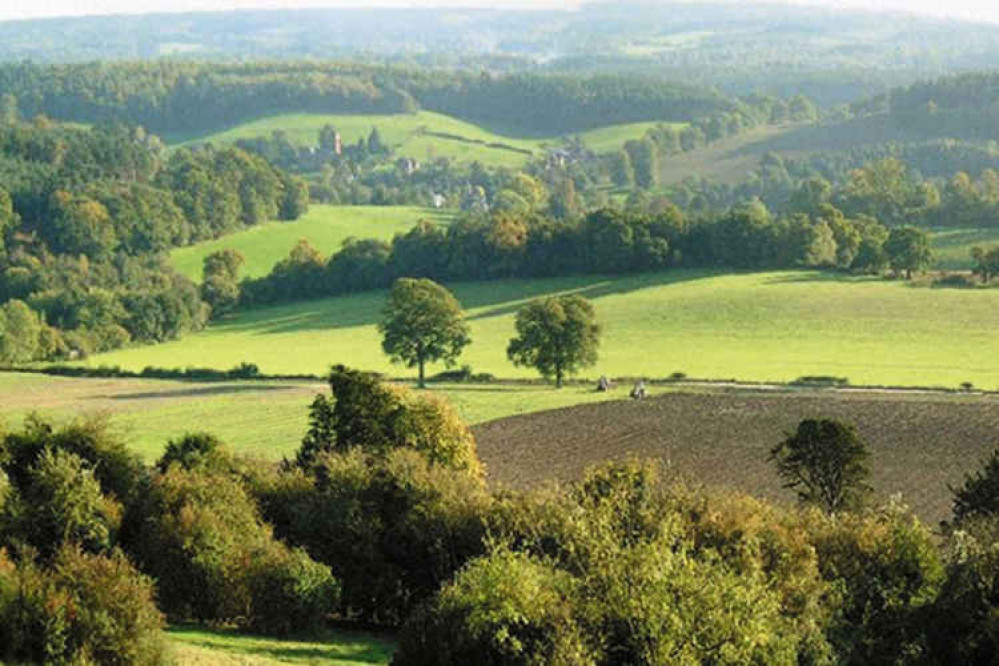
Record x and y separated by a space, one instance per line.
952 247
326 227
766 326
423 135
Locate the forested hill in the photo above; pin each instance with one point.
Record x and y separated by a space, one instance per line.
171 97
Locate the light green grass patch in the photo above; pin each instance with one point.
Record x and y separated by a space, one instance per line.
763 327
952 247
326 227
412 135
196 646
612 138
262 419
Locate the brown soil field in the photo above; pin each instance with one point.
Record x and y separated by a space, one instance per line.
919 443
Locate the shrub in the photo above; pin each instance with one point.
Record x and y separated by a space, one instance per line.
200 535
885 569
290 592
507 608
393 528
194 451
61 503
85 609
979 496
116 468
375 417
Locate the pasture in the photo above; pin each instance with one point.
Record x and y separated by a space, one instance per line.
775 326
326 227
920 443
423 135
262 419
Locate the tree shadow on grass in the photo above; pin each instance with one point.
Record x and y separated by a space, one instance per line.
487 299
196 392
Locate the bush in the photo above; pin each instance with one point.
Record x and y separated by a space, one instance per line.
364 413
392 528
507 608
290 592
193 451
60 503
116 468
979 496
85 609
200 535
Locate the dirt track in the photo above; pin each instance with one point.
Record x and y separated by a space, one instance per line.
920 443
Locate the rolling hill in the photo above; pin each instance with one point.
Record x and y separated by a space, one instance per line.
423 135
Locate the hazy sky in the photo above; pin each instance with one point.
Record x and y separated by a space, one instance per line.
975 9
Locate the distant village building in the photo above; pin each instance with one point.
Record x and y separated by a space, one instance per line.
338 144
440 201
407 165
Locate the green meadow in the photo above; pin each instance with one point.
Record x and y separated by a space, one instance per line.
196 646
952 247
264 419
326 227
423 135
774 326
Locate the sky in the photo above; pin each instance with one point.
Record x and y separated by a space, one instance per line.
985 10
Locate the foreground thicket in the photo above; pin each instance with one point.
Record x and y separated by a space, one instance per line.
385 517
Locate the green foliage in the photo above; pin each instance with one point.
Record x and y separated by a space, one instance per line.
366 414
423 323
908 250
200 535
557 336
507 608
61 505
196 451
220 280
83 609
392 528
21 333
885 569
824 462
979 496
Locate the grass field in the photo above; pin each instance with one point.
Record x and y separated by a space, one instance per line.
952 247
199 646
422 136
764 326
326 227
262 419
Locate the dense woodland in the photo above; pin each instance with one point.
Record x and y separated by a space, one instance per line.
85 219
384 517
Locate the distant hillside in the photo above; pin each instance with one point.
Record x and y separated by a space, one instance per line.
833 56
189 98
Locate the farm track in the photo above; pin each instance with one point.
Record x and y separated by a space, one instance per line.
920 442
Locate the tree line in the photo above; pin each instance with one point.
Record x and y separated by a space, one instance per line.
607 241
181 97
383 516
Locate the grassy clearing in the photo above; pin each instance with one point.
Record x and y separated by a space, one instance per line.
727 161
952 247
326 227
424 135
195 646
764 327
263 419
415 135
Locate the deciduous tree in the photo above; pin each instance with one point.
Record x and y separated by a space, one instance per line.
557 336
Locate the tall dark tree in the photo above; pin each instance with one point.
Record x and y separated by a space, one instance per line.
423 323
909 250
557 336
825 463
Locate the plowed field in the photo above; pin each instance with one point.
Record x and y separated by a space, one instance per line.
919 443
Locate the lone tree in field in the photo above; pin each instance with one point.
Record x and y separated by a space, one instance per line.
423 323
557 336
825 463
